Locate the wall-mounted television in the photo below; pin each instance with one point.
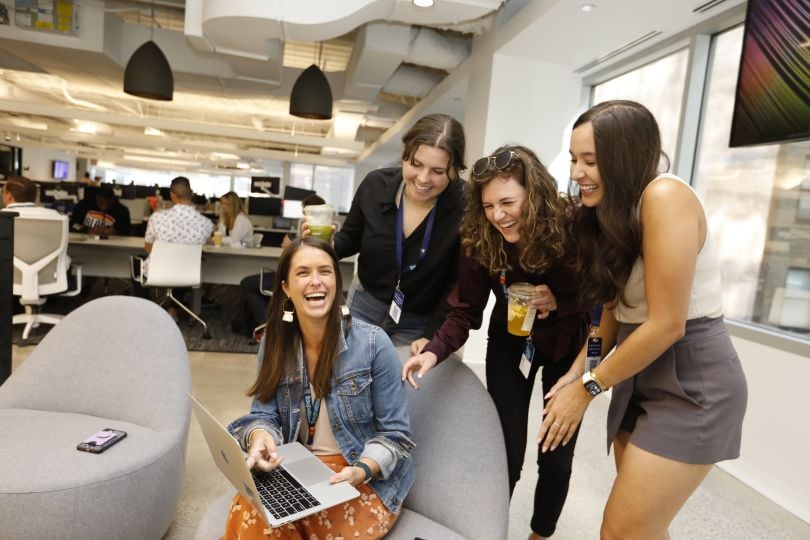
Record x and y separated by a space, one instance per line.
61 169
772 101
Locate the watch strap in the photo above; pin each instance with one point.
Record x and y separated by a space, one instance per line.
366 470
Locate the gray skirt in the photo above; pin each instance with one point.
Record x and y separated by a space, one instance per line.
688 405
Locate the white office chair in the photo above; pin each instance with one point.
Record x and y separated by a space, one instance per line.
172 265
41 268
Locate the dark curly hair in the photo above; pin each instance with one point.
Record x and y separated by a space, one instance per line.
543 225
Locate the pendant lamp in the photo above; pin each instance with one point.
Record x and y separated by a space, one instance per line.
148 74
311 95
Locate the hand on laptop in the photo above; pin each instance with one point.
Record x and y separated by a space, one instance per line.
262 451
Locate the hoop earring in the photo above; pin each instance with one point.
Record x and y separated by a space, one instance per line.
288 314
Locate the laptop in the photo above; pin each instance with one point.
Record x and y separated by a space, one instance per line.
295 489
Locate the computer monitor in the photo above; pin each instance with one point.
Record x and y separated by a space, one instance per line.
142 192
282 223
61 169
296 194
200 200
71 188
265 184
129 192
166 193
264 206
292 209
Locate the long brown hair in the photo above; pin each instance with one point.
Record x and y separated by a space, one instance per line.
608 237
283 339
543 224
439 131
236 208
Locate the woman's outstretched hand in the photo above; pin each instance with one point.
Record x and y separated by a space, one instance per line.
421 363
262 454
562 415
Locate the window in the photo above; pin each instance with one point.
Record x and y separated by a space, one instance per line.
659 86
757 202
334 184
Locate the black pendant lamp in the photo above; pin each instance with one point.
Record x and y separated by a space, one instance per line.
148 74
311 95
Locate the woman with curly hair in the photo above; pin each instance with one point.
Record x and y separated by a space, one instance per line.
515 230
234 225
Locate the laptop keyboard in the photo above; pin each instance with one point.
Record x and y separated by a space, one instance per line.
282 494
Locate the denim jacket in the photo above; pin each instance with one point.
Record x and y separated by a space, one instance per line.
366 404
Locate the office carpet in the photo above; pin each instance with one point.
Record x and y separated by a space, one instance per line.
218 314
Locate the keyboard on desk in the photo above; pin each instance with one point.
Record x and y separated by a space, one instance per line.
282 494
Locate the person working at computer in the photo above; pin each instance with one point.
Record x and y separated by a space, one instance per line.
234 225
20 194
515 245
332 383
101 213
180 224
403 222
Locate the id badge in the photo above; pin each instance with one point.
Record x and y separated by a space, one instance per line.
527 358
593 353
395 311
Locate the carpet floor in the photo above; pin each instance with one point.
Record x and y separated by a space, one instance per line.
218 313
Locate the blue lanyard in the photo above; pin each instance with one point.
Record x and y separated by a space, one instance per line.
313 408
401 237
596 316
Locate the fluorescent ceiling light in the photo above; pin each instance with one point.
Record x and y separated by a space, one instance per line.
166 161
241 165
223 155
26 123
587 8
105 164
423 3
153 131
345 126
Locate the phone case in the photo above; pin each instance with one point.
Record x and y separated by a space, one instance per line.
100 441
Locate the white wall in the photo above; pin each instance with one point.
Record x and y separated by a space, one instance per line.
775 455
38 162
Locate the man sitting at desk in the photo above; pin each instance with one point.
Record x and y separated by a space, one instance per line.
180 224
19 194
101 213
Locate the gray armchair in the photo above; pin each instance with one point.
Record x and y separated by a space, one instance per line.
462 487
116 362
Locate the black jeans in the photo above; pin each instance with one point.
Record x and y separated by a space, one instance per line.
511 392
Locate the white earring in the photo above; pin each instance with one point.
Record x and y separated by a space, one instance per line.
344 310
288 314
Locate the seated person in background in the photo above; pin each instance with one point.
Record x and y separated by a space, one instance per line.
234 225
252 308
181 224
101 213
90 181
363 435
20 194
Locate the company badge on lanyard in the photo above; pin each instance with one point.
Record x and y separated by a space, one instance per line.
593 353
398 301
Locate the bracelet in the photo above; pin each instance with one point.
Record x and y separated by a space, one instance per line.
366 470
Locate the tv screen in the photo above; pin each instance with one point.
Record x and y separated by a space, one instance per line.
296 194
264 206
773 86
265 184
60 169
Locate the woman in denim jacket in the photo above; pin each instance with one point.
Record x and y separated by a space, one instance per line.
332 384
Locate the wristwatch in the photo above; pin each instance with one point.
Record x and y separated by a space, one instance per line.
366 471
592 384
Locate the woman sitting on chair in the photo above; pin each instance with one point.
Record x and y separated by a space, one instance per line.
331 383
234 225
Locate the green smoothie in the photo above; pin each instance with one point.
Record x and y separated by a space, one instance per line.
324 232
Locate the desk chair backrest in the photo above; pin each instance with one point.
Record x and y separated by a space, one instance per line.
137 209
40 257
174 265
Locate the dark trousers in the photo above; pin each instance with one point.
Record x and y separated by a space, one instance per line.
511 392
255 303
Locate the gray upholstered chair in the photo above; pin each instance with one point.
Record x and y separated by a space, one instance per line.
116 362
461 489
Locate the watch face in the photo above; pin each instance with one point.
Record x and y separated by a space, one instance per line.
592 388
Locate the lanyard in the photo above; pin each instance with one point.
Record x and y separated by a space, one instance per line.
502 281
401 237
313 408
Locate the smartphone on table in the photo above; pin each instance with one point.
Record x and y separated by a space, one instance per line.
100 441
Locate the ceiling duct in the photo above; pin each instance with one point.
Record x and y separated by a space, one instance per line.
433 49
412 81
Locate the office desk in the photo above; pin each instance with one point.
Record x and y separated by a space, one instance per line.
224 264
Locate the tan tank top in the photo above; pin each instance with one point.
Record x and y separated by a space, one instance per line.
705 300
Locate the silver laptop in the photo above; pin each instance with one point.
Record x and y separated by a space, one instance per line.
293 490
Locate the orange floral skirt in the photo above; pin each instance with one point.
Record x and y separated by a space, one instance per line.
364 517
